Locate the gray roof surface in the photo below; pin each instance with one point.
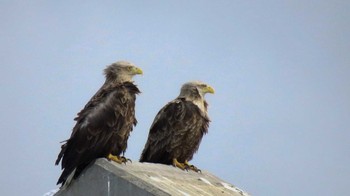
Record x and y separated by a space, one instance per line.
109 178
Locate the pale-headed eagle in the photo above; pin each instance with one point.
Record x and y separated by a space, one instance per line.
178 128
103 127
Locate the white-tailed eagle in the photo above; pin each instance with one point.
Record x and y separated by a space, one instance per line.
178 128
103 127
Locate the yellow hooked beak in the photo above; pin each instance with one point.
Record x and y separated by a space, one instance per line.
137 70
209 89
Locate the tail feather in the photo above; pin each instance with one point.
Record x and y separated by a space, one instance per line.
66 182
60 155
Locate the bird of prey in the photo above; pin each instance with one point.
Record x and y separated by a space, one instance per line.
103 126
178 128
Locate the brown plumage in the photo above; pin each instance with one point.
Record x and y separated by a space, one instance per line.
178 128
104 125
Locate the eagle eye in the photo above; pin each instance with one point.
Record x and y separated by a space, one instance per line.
129 68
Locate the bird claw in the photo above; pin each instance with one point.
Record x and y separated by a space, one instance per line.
186 166
182 166
192 167
125 160
118 159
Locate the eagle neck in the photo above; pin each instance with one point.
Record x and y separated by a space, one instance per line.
112 79
198 101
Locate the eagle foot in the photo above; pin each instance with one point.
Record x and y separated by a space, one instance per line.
118 159
180 165
125 160
192 167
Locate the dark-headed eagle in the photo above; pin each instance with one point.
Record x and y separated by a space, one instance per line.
178 128
103 127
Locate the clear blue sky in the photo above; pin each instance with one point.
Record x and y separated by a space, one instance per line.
281 71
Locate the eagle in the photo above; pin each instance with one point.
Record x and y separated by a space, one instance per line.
103 126
178 128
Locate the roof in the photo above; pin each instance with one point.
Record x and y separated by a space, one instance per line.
108 178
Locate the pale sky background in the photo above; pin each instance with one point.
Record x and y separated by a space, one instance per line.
281 71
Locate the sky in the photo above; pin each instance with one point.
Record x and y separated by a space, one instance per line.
280 69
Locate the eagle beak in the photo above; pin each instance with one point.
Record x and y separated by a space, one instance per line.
137 71
209 89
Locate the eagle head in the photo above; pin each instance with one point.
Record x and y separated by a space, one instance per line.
195 89
121 71
194 92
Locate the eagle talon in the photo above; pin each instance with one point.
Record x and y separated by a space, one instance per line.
192 167
197 170
182 166
118 159
186 168
125 160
